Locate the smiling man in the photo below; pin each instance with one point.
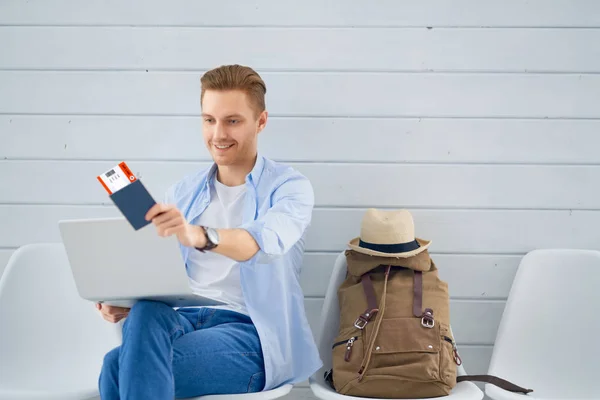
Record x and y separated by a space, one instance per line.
241 225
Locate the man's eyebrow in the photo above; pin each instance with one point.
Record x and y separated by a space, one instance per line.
234 116
206 115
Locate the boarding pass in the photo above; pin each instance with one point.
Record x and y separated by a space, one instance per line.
117 178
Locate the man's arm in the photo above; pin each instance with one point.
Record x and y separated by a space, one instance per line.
270 236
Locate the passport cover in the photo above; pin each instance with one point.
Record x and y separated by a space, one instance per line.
134 201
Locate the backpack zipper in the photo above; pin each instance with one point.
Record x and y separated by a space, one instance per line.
457 358
349 343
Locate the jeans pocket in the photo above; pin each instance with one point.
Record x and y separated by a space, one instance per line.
257 382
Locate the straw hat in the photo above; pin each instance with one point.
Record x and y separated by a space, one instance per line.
388 234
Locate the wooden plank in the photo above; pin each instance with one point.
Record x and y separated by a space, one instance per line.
470 231
420 186
306 139
473 322
300 391
416 49
314 94
468 276
451 231
476 359
510 13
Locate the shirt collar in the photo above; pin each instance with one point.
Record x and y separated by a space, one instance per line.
253 177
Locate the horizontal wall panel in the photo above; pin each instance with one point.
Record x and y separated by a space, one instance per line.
300 391
463 186
462 231
563 13
476 359
451 231
314 94
473 322
473 276
307 139
415 49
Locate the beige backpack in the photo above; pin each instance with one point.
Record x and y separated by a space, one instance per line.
394 338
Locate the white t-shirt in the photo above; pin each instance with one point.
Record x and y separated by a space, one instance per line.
211 274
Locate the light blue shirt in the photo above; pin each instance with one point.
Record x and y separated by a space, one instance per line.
277 212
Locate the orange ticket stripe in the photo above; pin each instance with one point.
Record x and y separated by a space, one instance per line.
127 172
104 184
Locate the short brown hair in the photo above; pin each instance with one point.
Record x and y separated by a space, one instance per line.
236 77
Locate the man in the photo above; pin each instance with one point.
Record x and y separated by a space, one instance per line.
241 226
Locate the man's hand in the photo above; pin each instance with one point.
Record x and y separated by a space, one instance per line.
112 313
170 221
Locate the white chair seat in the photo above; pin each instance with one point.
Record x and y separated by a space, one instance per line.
266 395
462 390
47 393
329 327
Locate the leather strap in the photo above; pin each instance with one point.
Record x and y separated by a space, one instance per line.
372 308
418 294
369 292
494 380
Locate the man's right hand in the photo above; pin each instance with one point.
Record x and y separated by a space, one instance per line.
112 313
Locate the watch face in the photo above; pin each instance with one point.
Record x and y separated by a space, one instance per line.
213 236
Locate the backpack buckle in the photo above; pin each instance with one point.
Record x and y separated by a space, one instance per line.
427 320
361 322
364 319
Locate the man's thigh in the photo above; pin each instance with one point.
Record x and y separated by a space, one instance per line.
224 359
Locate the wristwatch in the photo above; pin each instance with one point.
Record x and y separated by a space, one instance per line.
212 239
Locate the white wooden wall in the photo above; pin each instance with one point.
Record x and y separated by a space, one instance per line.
480 117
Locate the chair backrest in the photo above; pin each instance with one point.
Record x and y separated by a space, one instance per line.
548 336
330 314
44 324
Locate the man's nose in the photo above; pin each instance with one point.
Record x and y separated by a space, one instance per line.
219 132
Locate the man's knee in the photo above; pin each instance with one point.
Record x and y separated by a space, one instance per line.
146 309
110 365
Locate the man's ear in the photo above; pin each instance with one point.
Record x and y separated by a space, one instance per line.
262 120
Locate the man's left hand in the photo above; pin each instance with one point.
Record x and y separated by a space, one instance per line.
170 221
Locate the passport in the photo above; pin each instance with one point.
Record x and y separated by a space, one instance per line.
128 194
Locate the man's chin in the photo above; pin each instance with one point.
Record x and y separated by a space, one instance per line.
223 160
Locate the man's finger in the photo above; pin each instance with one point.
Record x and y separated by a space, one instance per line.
157 209
166 216
113 310
170 227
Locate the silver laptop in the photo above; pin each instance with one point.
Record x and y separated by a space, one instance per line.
114 264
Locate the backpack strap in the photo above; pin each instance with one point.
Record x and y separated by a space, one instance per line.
494 380
427 320
418 294
372 307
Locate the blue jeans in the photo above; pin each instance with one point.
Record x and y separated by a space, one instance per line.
189 352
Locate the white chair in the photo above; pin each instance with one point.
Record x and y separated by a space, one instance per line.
52 342
548 336
329 328
266 395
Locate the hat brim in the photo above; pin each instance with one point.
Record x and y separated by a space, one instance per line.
423 245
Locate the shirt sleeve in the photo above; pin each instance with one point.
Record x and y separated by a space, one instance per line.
169 195
285 222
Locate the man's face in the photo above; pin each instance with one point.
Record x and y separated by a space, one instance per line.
230 126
